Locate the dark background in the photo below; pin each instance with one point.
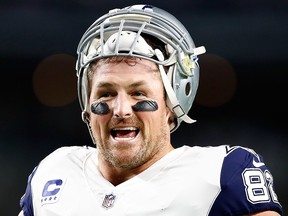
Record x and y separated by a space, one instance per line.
241 100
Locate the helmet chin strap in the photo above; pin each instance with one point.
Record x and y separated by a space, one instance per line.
173 101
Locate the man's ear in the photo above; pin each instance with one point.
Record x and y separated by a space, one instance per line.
86 119
170 118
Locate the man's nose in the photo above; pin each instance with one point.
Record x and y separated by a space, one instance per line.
122 106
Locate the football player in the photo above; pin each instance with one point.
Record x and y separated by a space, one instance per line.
137 78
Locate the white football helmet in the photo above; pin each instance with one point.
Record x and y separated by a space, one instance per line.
125 32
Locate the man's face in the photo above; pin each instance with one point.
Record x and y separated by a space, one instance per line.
129 118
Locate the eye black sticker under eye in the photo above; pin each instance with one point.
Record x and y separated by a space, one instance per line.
100 108
145 105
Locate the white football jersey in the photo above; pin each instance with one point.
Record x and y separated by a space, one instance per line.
194 181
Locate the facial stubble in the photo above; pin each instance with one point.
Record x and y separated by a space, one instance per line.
119 156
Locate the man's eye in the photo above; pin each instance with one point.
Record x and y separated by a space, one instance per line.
138 94
105 95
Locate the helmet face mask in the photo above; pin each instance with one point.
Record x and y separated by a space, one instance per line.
129 32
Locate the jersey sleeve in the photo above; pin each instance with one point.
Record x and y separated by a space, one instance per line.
43 176
246 185
26 203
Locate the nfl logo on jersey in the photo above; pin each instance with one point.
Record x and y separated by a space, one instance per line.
108 201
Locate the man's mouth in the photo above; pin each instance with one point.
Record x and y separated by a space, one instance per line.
124 132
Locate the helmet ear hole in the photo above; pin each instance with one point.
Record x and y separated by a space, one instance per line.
188 88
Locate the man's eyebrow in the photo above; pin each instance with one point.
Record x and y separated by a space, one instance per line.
104 85
137 84
110 85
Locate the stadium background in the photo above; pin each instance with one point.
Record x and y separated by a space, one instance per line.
242 98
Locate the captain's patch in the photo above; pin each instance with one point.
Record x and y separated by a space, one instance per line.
51 191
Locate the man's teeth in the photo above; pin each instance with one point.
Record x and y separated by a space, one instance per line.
125 128
124 132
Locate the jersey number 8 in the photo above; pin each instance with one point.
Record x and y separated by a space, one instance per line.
258 186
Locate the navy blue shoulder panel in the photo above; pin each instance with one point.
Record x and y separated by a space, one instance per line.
26 200
246 185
